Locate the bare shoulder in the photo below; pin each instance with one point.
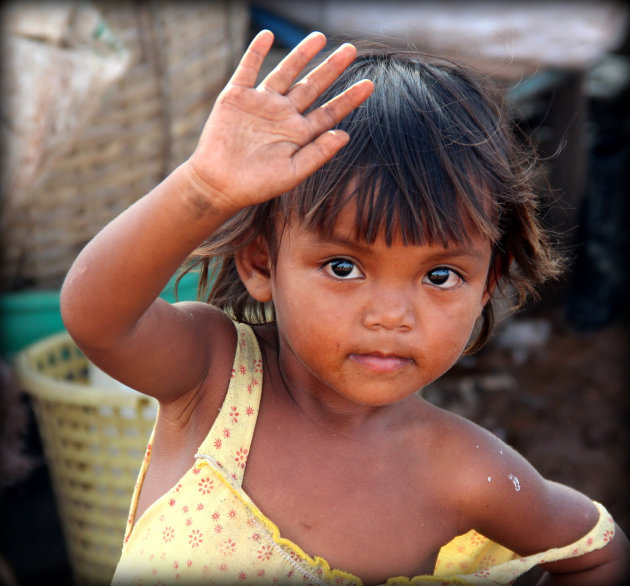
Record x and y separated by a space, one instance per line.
499 493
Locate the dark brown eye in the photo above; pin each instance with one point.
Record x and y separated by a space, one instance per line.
342 268
439 276
443 277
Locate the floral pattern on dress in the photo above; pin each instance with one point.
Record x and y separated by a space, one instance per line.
206 529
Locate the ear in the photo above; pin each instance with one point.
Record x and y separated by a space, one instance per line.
491 284
254 269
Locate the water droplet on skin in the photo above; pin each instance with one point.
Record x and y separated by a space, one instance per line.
476 445
489 478
500 451
515 482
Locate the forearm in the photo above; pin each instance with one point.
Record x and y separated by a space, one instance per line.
608 566
609 575
254 146
121 272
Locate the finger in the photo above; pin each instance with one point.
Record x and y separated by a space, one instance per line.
307 90
335 110
286 72
311 157
247 71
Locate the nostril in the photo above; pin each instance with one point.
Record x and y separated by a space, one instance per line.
393 316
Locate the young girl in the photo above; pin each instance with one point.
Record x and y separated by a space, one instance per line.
292 445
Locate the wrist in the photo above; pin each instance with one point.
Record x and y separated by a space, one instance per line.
200 195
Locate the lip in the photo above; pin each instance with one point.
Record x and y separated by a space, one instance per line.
381 363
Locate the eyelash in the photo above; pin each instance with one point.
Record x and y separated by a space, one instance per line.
335 263
328 268
450 271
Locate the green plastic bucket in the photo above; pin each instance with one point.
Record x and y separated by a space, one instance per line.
28 316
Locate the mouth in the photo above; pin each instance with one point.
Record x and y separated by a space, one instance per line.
381 363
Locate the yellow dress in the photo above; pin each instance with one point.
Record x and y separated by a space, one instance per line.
206 529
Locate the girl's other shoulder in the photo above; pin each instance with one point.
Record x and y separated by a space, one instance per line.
482 469
501 495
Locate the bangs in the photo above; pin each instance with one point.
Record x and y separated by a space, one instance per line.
420 163
433 158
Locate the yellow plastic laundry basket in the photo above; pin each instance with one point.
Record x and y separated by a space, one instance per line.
94 440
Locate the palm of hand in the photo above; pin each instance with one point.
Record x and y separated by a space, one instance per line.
257 143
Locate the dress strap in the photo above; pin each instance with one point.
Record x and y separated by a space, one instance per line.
228 442
484 562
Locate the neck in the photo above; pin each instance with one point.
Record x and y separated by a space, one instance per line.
315 403
323 407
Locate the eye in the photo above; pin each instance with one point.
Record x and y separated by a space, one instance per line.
443 277
342 268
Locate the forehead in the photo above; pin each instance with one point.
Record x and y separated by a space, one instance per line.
349 221
297 242
376 203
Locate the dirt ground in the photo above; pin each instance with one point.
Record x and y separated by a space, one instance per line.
559 397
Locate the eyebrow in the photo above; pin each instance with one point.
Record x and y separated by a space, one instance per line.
457 252
437 253
340 240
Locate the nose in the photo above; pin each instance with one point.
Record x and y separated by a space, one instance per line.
390 309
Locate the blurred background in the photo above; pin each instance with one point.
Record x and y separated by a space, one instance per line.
103 99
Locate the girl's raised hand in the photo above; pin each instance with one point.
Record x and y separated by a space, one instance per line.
257 142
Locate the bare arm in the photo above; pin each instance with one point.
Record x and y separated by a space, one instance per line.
609 565
255 145
508 501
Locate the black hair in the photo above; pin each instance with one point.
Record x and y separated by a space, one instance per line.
431 151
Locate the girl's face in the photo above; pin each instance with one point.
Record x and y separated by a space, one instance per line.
368 323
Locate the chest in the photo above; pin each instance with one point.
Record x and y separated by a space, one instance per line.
367 512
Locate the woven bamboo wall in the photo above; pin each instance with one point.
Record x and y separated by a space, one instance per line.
147 124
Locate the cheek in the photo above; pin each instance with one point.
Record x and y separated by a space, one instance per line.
300 296
293 301
311 320
314 325
457 327
299 311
